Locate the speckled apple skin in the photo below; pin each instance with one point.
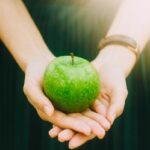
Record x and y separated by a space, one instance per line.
71 87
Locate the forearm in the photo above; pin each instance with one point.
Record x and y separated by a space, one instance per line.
133 20
19 33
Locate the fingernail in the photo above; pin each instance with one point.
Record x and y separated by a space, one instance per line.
71 146
61 139
47 110
52 134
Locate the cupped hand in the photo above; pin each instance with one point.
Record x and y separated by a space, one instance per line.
33 90
109 105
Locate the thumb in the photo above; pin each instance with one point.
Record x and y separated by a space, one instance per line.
117 104
37 98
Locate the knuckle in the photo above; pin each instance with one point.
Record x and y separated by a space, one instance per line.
78 124
120 111
25 88
42 117
94 124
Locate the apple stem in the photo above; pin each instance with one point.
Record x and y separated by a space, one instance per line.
72 57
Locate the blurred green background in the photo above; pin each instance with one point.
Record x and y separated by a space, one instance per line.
72 25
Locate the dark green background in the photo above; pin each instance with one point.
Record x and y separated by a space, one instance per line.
69 25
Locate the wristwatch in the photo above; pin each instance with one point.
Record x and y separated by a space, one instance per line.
123 40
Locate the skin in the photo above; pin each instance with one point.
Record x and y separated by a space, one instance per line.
112 98
32 55
31 51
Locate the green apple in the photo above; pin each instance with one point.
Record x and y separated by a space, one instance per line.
71 83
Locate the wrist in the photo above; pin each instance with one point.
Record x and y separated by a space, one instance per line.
117 55
45 56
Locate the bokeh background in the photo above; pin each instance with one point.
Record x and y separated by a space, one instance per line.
72 25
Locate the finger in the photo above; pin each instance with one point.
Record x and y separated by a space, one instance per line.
37 98
65 135
67 122
41 103
54 131
105 94
98 118
96 128
100 107
78 140
117 104
42 115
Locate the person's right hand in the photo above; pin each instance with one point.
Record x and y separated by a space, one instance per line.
113 65
33 90
109 105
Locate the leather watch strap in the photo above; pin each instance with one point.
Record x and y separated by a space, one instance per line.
123 40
